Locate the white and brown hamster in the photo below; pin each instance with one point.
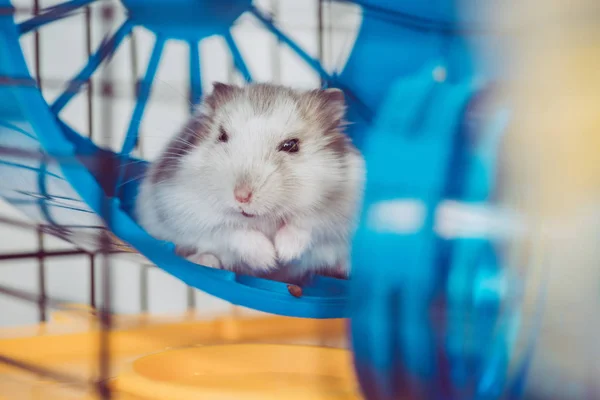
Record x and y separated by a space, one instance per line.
262 180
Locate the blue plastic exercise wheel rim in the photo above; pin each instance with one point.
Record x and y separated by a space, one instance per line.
60 178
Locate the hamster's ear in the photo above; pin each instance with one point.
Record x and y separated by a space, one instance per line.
335 103
221 93
329 105
334 96
223 89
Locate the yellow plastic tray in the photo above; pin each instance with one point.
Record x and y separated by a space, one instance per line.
180 358
242 372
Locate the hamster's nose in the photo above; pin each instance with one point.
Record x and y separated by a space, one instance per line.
242 194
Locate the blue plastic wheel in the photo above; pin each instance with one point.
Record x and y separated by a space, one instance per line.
409 79
57 176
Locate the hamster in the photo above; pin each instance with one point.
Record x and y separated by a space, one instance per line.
261 180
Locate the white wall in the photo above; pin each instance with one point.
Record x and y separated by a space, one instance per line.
62 55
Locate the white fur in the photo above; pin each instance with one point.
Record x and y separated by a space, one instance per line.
294 226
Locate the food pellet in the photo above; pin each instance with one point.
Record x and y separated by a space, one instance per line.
295 290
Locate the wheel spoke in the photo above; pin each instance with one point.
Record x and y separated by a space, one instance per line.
52 14
195 75
144 88
361 107
29 168
238 61
106 50
43 191
312 62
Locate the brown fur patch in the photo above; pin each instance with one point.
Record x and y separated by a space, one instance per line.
221 94
325 108
338 144
190 136
336 273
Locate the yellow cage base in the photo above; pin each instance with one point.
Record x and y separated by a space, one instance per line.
235 358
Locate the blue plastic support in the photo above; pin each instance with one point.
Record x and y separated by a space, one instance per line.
105 51
54 13
195 75
186 19
395 277
388 47
238 61
474 283
143 94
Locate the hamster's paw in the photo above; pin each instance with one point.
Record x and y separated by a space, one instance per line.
255 249
193 255
185 252
291 242
206 259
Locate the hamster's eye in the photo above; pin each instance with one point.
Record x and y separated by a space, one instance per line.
223 137
290 146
